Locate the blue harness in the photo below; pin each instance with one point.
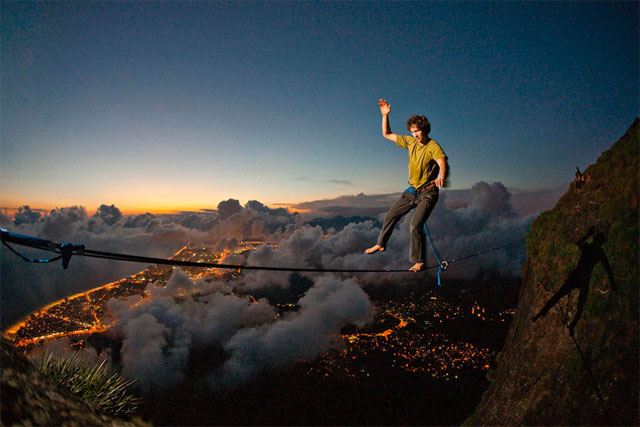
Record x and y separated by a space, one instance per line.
411 190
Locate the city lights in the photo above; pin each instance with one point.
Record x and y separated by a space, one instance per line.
409 333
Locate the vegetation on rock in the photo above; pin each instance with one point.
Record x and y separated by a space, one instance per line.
30 397
582 271
96 384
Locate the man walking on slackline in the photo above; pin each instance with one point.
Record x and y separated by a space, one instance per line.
427 170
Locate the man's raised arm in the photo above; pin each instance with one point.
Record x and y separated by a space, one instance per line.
385 109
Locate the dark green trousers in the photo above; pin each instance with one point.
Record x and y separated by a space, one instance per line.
423 204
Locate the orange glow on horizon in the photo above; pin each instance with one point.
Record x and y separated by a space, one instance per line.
131 210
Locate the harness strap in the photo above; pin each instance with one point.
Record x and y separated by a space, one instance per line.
416 191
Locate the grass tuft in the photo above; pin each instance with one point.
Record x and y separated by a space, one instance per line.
96 384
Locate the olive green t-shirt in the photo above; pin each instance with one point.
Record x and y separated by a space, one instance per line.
422 159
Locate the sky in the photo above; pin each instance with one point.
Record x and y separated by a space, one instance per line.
169 106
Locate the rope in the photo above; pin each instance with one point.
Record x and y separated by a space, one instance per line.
34 260
442 264
66 250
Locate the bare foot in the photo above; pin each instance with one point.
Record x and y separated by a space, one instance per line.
372 249
417 267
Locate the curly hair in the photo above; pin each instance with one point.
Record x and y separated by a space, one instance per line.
421 122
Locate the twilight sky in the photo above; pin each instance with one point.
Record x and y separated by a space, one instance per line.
178 105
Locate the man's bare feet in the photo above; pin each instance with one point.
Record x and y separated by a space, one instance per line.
372 249
417 267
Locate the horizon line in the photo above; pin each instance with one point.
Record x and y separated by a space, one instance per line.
290 206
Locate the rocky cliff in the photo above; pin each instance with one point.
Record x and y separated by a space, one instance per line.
571 356
30 398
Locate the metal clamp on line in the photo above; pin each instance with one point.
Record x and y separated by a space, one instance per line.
66 250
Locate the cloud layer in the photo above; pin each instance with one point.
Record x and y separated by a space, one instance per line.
241 337
159 335
26 287
484 220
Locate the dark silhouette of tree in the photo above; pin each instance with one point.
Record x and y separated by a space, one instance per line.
580 276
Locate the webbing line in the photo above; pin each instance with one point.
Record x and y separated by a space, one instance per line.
66 250
175 262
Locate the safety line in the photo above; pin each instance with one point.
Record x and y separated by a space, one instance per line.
443 265
34 260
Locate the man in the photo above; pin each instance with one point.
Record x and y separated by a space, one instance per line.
427 171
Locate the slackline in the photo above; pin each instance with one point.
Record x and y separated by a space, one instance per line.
66 250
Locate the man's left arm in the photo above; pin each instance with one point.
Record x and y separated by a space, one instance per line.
442 164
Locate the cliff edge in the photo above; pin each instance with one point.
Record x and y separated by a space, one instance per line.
571 355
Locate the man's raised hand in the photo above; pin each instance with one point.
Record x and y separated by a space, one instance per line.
385 108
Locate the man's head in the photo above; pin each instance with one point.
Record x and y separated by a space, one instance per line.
419 127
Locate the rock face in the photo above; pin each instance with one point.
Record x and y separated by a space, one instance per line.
30 398
571 356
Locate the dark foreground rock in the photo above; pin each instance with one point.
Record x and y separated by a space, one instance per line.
28 397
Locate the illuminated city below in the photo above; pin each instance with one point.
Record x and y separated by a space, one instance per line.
411 333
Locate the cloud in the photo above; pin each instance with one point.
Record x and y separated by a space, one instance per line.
108 214
361 204
327 307
159 335
198 221
139 221
235 338
26 287
524 202
227 208
26 216
145 353
487 221
328 181
255 221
